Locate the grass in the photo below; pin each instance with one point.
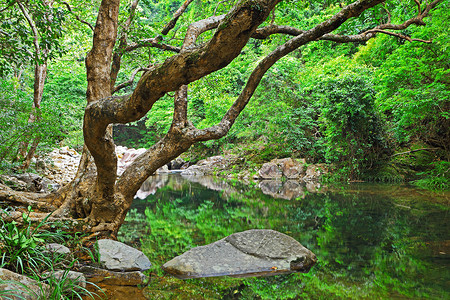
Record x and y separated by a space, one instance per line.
24 252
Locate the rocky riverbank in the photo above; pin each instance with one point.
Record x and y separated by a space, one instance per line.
59 167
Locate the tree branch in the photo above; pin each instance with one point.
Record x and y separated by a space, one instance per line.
151 42
33 28
77 17
412 151
265 32
180 109
180 100
175 17
195 29
11 3
181 69
399 35
117 56
221 129
130 80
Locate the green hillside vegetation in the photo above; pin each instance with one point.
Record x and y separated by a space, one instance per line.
352 105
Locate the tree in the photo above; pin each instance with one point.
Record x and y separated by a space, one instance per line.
103 205
40 20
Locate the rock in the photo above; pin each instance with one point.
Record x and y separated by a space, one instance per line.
49 186
290 189
97 275
211 183
117 256
13 183
163 170
314 172
34 182
287 167
60 165
150 186
292 169
270 187
59 251
270 171
16 286
41 164
176 164
195 171
257 252
74 279
211 164
126 156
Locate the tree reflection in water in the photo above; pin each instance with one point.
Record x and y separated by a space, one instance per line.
372 241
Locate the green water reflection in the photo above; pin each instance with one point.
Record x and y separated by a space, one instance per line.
371 241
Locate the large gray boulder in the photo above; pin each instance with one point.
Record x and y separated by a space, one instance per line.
176 164
117 256
15 286
314 172
256 252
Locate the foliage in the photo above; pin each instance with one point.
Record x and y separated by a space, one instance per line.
438 178
23 251
17 44
64 100
22 245
413 81
14 112
352 129
50 128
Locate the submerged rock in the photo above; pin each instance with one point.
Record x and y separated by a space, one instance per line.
97 275
117 256
256 252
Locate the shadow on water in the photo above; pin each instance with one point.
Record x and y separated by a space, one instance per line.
371 240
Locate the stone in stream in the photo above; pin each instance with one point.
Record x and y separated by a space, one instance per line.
256 252
117 256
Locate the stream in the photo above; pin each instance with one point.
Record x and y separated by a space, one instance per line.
372 241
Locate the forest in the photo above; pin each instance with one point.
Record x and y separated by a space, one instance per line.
361 87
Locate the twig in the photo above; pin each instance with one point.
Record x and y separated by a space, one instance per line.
399 35
129 81
411 151
77 17
176 15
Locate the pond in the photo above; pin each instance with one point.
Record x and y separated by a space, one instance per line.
372 241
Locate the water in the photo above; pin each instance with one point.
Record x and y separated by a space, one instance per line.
372 241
